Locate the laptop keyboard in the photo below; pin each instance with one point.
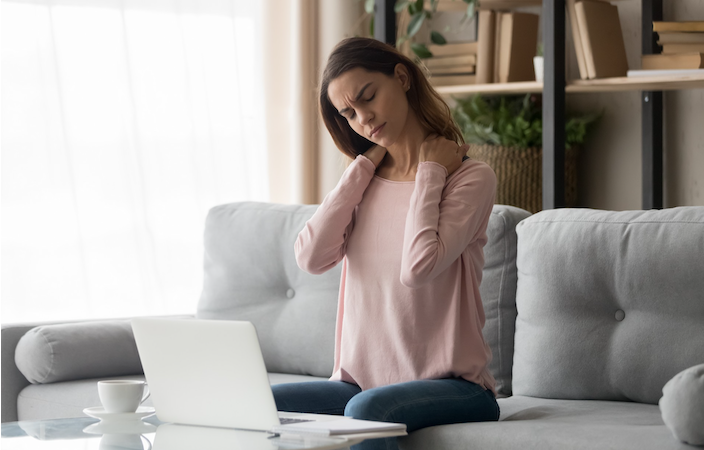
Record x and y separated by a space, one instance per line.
287 420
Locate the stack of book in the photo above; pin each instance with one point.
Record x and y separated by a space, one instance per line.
452 64
682 49
598 39
507 43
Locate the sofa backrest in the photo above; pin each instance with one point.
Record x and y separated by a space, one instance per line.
610 304
251 274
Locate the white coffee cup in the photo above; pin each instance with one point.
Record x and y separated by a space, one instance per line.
122 396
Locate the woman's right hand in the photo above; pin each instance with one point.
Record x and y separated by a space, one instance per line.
376 154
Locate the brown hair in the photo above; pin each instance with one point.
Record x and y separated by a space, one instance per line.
376 56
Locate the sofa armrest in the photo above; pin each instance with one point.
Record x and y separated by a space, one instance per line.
13 381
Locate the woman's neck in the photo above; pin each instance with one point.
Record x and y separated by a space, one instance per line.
401 160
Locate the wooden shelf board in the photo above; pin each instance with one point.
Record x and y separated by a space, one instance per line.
661 83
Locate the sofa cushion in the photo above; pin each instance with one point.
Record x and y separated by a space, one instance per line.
609 303
541 424
52 353
251 274
682 405
498 291
70 398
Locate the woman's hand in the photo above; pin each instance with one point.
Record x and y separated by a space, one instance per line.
444 151
376 154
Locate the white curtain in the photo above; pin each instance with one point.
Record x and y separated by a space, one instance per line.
123 122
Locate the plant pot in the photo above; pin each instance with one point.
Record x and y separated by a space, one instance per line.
519 174
538 68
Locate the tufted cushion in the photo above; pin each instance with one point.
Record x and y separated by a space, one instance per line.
682 405
52 353
251 274
609 303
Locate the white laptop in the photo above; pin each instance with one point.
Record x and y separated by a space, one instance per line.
211 373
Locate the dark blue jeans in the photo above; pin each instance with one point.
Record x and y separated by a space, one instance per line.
418 404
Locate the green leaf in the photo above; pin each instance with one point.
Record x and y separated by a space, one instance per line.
434 5
401 40
371 27
470 10
401 5
437 38
415 24
369 6
421 50
414 7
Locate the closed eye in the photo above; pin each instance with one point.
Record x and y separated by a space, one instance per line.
368 100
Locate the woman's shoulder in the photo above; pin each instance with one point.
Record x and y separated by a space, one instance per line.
471 169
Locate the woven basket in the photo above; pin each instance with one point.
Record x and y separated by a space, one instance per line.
519 173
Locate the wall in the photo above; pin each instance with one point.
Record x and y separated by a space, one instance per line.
339 19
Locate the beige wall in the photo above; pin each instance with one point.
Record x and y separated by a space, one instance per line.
610 165
338 19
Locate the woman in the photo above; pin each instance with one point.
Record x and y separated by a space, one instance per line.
408 221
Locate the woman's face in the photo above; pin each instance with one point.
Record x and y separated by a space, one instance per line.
374 104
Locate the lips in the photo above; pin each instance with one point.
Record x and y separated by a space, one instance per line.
376 130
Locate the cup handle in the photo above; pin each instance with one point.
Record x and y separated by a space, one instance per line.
147 392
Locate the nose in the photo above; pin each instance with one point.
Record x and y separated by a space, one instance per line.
364 116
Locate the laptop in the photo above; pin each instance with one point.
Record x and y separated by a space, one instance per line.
209 373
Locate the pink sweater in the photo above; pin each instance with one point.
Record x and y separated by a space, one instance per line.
412 257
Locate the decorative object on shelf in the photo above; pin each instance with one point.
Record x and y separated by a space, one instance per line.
538 64
506 133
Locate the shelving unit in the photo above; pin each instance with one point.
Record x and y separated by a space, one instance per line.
555 87
584 86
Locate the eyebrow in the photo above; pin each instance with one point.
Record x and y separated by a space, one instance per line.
359 95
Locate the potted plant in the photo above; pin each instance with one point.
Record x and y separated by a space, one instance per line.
418 13
507 132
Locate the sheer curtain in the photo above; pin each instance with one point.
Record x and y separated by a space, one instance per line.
123 122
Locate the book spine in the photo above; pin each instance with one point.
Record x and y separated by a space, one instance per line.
485 48
577 39
584 37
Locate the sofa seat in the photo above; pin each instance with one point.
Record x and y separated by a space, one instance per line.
68 398
528 423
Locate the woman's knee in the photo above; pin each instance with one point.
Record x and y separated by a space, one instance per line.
368 405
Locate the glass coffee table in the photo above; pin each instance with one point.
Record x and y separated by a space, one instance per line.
86 433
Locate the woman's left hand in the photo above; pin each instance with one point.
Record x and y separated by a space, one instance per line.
444 151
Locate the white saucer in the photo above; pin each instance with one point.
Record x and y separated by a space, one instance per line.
99 413
124 427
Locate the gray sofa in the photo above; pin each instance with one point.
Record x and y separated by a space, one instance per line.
588 313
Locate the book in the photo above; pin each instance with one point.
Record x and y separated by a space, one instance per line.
342 426
664 73
602 39
452 80
693 60
680 38
497 43
683 48
517 47
678 26
447 61
454 49
485 47
462 68
577 39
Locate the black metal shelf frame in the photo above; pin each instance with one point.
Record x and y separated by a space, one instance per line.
554 100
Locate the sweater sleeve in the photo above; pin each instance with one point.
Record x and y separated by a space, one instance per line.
439 229
321 244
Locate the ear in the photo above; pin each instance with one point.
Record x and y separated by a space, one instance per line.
402 76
